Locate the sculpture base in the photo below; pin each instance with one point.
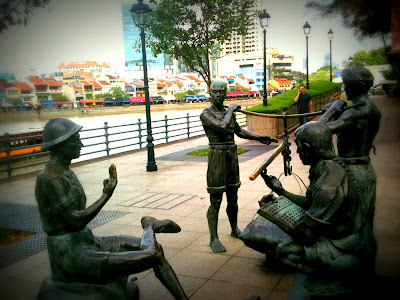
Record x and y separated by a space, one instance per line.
117 289
306 288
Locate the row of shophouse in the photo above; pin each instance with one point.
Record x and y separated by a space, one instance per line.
82 87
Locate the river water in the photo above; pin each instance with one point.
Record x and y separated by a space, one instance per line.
36 122
121 139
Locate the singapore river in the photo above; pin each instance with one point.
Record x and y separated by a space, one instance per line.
36 122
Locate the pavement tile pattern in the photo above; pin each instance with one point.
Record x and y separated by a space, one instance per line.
27 218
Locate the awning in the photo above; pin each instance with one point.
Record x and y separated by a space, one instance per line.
126 100
46 102
108 101
63 102
91 101
139 99
238 94
254 92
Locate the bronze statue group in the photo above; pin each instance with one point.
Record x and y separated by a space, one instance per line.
326 233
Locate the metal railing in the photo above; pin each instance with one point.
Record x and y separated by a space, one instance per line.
106 140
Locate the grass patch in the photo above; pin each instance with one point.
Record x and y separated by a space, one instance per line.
8 235
285 101
204 152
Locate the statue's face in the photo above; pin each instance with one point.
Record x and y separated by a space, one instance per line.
71 148
218 93
303 150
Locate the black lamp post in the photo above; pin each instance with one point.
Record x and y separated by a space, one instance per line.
264 22
140 15
307 29
330 36
350 60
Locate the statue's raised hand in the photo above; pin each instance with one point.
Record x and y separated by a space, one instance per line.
111 182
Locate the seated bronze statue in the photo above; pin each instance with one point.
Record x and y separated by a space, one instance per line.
82 264
326 232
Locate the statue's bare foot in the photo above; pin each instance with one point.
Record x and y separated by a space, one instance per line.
216 246
236 233
160 226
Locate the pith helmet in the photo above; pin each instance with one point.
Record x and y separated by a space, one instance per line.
58 130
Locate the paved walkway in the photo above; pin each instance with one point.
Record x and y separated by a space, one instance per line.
178 191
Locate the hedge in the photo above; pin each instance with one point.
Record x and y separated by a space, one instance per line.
285 101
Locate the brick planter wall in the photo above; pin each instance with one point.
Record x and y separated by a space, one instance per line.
274 126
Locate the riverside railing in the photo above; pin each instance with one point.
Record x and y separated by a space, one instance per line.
102 141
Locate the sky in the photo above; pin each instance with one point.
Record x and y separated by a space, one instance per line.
78 30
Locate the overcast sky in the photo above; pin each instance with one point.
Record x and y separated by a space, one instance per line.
77 30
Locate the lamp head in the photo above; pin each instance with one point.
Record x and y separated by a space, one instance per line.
306 28
140 14
264 19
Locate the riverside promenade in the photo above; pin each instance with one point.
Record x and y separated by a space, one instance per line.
178 191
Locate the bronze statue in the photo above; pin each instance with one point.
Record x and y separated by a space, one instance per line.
223 169
325 234
356 129
79 260
334 233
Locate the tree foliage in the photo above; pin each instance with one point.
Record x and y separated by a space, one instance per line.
320 75
13 12
62 98
191 30
368 18
371 58
118 93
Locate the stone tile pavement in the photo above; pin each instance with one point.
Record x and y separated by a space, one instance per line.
240 272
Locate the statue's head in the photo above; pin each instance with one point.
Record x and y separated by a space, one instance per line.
314 142
357 81
62 135
218 91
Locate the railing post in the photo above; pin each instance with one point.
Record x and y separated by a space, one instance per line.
188 125
166 128
106 135
140 133
8 150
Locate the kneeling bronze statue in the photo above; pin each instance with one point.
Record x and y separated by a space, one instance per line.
325 234
85 266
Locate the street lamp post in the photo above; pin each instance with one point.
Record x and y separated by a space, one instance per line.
306 29
140 15
330 36
264 22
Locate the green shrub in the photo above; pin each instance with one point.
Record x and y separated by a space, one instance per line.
204 152
286 100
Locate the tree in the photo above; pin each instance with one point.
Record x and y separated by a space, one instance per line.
193 92
191 30
104 96
368 18
62 98
180 96
320 75
371 58
13 12
327 68
118 93
296 76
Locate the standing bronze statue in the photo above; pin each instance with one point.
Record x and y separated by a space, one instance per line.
220 127
356 129
82 263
